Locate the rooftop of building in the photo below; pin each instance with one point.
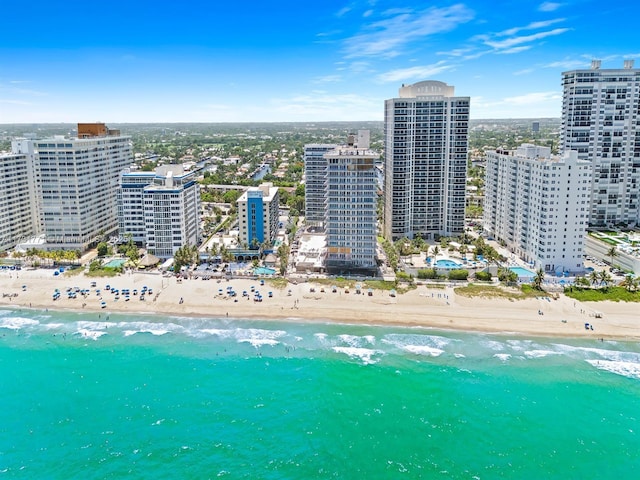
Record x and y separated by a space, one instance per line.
266 190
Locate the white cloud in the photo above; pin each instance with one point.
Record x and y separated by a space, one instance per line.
322 106
387 37
509 51
456 52
524 71
419 72
528 105
343 11
567 64
511 42
549 6
533 98
531 26
14 102
327 79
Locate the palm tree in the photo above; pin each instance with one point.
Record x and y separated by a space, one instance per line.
436 251
611 253
538 279
630 282
605 278
582 282
594 277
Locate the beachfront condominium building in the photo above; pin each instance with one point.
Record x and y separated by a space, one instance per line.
538 205
131 205
350 216
78 184
18 200
601 121
315 174
258 216
425 161
160 209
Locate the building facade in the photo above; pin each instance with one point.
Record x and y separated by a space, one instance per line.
258 216
350 215
19 218
315 172
538 205
426 142
601 121
131 205
160 209
78 184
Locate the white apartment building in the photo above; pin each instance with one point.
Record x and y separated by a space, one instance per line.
170 208
131 205
258 210
601 121
18 200
538 205
350 216
78 184
425 163
315 173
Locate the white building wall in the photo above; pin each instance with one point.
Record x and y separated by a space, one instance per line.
171 212
601 121
315 171
350 221
18 212
538 206
78 187
426 141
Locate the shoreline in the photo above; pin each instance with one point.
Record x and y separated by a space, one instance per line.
424 307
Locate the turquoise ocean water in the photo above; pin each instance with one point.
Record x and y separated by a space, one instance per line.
165 397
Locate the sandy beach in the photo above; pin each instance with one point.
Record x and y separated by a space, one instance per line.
424 306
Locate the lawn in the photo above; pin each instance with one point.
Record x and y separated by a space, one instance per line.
487 291
614 294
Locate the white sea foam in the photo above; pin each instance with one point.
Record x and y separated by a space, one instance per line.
502 356
17 323
217 332
423 350
131 328
363 354
258 337
128 333
90 334
52 326
357 341
540 353
626 369
431 345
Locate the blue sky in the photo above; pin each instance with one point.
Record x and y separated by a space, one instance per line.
214 61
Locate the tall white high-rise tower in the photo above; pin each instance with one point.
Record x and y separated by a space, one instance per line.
426 142
601 121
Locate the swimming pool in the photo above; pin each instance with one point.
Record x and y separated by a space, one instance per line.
522 272
446 263
263 271
115 263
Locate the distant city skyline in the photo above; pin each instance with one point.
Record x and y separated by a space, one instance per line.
284 61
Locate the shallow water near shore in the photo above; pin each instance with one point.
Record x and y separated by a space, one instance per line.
91 396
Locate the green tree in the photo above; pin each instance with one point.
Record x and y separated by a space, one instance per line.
612 253
630 282
103 249
538 279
